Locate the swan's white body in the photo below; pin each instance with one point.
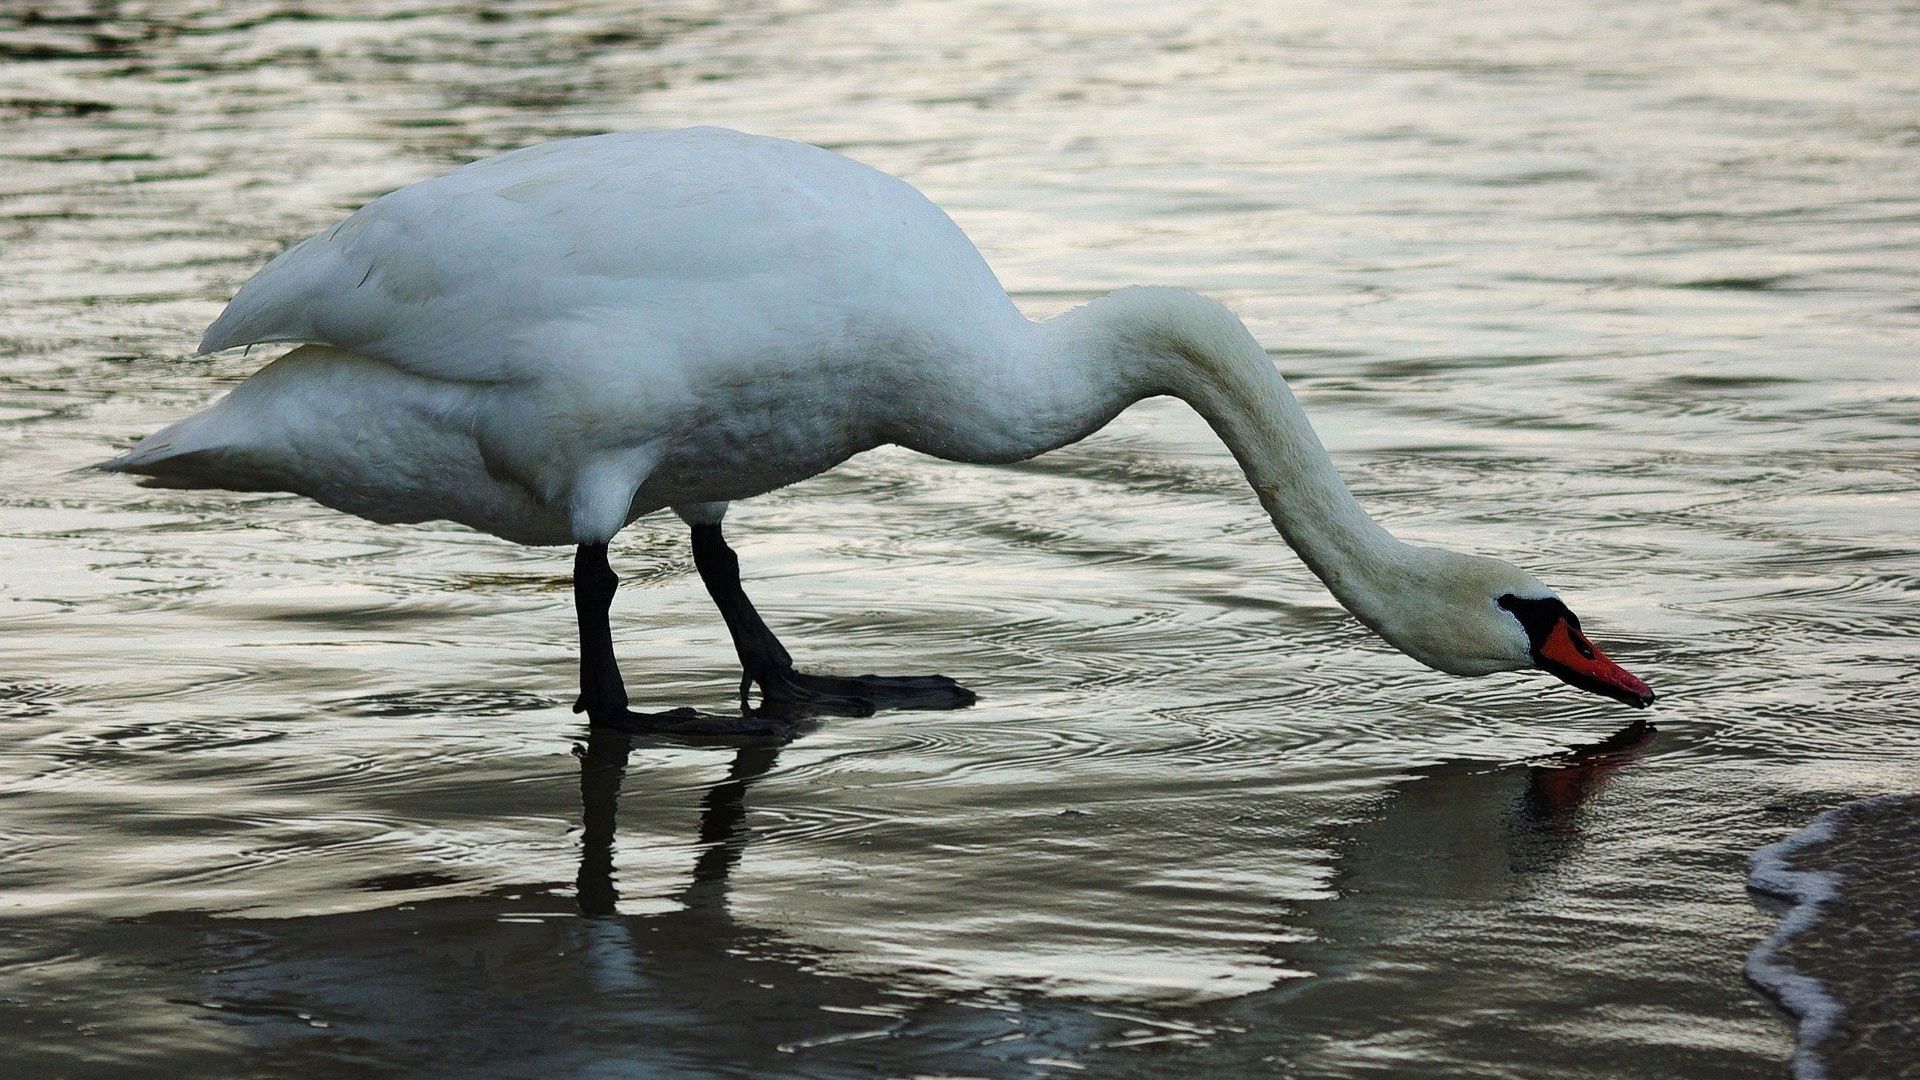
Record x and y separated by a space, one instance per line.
548 344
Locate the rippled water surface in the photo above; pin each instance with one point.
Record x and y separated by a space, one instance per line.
1623 292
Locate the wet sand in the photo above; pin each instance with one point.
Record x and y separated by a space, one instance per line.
1846 958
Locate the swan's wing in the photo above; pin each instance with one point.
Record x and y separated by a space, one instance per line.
581 251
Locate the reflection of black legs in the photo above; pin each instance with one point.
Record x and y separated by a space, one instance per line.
721 812
603 696
601 769
765 661
604 765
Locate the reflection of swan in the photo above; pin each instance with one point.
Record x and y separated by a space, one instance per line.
1560 787
1418 884
548 344
1466 829
1456 837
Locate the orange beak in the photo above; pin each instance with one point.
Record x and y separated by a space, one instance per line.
1568 654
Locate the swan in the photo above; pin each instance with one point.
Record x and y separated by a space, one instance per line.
548 344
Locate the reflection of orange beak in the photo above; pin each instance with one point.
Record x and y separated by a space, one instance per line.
1568 654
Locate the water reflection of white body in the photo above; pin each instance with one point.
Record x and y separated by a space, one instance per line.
528 981
515 982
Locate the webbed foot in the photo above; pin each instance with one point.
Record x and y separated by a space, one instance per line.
856 695
760 727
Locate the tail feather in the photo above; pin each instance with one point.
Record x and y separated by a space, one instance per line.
352 433
191 453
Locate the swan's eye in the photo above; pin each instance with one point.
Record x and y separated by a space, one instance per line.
1539 615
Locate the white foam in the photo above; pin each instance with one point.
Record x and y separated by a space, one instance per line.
1809 891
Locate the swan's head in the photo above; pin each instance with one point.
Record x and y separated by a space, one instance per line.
1468 615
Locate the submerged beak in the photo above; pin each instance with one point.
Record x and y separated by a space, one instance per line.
1567 653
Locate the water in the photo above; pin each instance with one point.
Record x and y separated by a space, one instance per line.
1622 293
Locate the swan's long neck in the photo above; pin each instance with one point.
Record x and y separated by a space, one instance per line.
1169 341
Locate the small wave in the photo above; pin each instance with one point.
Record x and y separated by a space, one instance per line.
1842 958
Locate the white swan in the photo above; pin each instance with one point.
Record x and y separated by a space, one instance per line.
548 344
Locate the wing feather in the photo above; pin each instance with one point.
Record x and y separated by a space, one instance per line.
701 244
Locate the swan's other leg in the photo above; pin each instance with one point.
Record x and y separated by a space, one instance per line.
765 661
603 696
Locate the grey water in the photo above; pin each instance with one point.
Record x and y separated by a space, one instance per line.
1622 292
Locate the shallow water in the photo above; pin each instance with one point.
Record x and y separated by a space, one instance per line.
1625 294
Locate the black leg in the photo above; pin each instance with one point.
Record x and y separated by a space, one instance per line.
603 696
764 660
594 582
